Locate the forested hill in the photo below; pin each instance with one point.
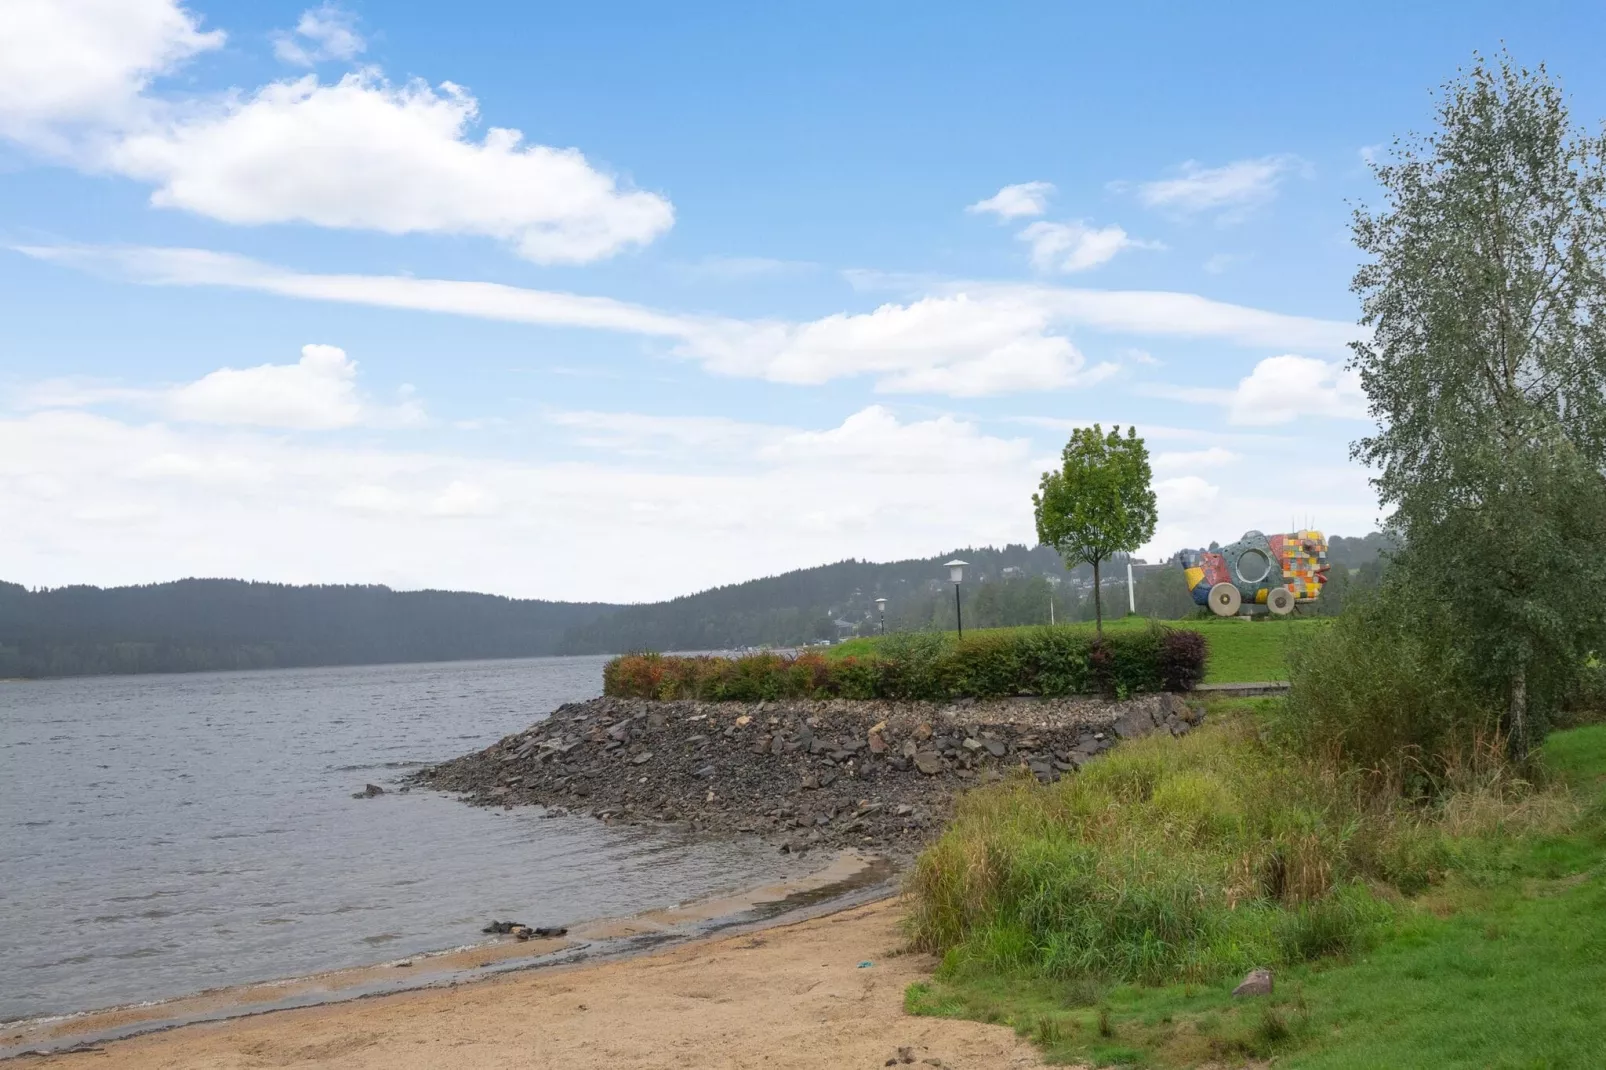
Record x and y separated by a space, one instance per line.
202 624
804 606
1014 585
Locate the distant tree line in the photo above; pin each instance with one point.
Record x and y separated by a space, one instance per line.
203 624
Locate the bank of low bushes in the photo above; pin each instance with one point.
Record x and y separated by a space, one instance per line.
1019 661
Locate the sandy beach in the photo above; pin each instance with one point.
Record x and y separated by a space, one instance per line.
786 997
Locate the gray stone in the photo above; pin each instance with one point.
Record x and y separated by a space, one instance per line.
996 748
1257 983
1134 723
641 759
928 762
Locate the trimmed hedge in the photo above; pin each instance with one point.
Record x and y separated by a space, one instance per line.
1017 661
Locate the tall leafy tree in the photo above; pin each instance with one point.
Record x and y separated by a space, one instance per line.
1486 374
1099 503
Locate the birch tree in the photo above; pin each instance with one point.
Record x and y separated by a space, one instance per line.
1486 375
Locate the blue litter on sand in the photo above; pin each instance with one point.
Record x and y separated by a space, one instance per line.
866 964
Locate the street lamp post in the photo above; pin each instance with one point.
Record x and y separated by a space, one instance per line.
956 574
881 604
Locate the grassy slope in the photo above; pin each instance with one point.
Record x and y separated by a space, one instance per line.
1500 967
1241 651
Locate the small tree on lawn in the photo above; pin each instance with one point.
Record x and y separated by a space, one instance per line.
1099 503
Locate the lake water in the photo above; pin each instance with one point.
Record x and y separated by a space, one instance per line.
168 834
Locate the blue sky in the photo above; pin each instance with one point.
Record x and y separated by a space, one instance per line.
751 288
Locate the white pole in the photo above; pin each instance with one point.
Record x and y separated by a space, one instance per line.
1131 594
1051 606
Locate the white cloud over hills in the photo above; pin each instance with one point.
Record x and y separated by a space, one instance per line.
150 500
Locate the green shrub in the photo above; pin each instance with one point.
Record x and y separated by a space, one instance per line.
1376 692
1021 661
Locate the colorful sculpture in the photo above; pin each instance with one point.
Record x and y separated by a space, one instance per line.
1277 571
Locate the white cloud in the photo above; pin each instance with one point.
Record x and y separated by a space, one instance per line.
364 154
113 501
974 339
326 32
874 440
360 153
640 434
1283 389
1015 202
1235 187
1279 390
170 500
1074 246
317 393
78 61
959 345
1193 461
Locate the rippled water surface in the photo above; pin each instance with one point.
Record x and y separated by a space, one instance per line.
166 834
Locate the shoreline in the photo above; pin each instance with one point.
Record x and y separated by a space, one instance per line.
851 879
817 994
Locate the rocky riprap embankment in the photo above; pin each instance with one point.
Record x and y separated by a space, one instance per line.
831 773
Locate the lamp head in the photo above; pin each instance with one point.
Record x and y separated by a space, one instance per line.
956 570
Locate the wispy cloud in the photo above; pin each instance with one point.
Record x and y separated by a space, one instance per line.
1232 189
967 339
322 33
1023 200
1069 247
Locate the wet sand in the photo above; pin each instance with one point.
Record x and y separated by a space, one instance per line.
850 878
791 996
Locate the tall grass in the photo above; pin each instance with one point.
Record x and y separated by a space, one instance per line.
1186 861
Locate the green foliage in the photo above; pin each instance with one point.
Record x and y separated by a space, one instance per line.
1486 371
1049 904
1240 651
1164 861
1376 691
1099 503
928 665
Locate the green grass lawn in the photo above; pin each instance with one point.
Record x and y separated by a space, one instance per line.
1241 650
1503 965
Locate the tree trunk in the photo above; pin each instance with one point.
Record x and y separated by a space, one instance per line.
1517 715
1098 603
